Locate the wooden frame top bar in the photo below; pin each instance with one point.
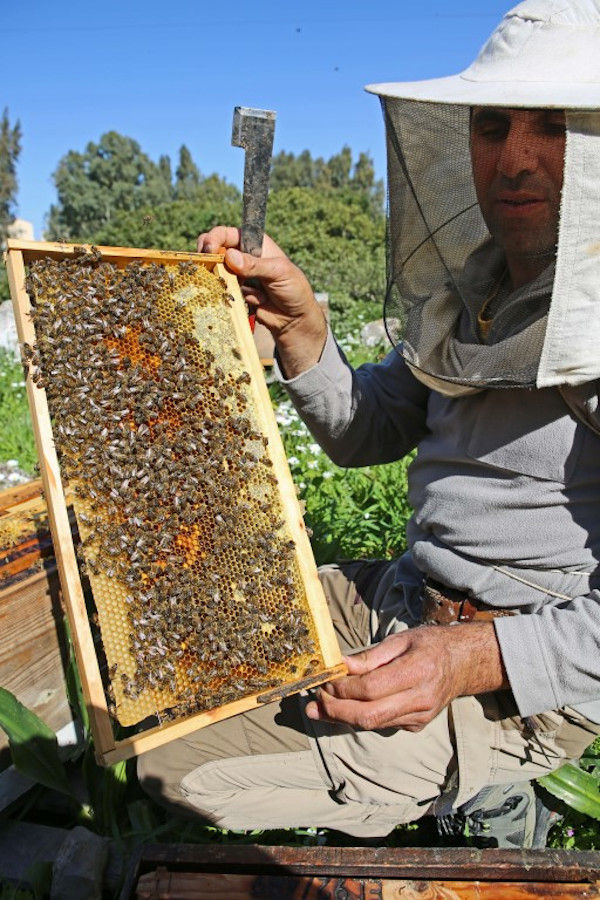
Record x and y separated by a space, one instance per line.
32 250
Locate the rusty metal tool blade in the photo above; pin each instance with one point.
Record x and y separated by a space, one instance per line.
253 130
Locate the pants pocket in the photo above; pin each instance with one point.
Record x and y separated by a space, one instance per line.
575 733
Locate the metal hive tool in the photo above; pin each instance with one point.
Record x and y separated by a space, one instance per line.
190 536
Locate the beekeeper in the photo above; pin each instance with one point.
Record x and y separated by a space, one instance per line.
493 305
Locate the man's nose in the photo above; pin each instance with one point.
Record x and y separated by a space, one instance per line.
519 153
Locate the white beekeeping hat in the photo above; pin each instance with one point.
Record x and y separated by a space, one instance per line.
444 264
543 53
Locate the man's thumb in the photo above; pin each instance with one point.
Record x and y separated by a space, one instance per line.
267 269
235 260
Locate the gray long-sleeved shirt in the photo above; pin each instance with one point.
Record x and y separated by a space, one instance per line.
506 492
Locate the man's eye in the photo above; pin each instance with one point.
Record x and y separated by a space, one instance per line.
492 131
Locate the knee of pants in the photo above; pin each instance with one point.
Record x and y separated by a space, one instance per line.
171 779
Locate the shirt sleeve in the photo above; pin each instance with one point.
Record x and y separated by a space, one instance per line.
552 657
374 414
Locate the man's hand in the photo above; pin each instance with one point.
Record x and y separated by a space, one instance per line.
284 302
407 679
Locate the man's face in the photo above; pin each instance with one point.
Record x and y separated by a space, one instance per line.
518 160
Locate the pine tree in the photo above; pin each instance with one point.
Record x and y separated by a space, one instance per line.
164 167
187 176
338 173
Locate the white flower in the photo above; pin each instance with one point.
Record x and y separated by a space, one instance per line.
293 460
312 464
314 449
301 485
327 474
12 463
367 516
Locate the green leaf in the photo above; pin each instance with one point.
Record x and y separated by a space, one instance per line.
142 818
576 788
114 787
33 744
93 777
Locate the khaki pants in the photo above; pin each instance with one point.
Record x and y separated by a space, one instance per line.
274 768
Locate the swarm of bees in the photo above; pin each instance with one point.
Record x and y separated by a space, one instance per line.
193 571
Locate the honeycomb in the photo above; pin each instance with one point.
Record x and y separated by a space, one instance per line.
193 571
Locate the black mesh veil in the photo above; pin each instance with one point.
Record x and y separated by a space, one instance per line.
446 273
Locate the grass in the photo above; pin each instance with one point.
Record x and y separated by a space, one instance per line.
352 513
16 434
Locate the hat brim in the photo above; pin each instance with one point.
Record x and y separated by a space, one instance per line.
466 92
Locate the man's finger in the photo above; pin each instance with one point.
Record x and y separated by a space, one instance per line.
253 296
368 716
378 655
229 236
220 236
384 681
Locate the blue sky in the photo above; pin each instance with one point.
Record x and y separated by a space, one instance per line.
171 73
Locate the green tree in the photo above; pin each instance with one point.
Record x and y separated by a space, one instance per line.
338 173
10 147
334 239
164 167
339 168
109 177
187 176
364 182
173 226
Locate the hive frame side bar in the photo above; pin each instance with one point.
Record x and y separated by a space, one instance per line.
163 734
60 527
314 592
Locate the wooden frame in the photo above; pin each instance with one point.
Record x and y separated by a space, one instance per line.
360 873
108 749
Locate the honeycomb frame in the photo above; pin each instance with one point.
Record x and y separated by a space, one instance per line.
327 662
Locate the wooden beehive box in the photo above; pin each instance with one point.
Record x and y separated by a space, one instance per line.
144 381
178 872
33 652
